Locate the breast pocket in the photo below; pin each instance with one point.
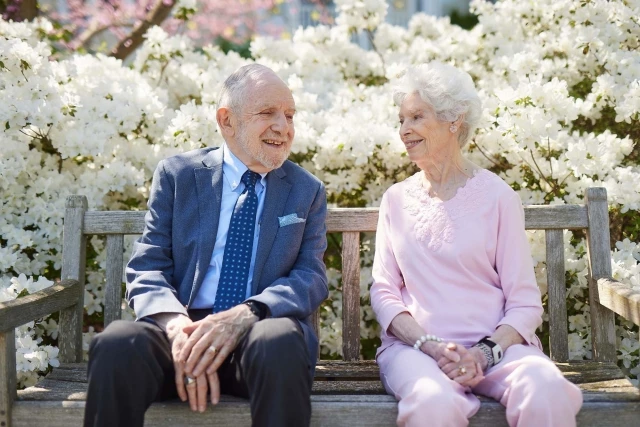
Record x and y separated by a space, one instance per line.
290 233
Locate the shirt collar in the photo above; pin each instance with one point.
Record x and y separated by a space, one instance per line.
233 169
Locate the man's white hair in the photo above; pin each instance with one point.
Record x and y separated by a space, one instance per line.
448 90
234 88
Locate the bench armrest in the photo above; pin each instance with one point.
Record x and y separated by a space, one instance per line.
39 304
620 298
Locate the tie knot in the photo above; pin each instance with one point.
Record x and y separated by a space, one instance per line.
249 179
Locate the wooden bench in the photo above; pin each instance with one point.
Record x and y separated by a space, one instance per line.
347 392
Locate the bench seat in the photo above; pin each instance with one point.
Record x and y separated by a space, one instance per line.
344 394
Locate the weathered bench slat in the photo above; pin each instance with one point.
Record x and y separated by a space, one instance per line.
620 298
351 295
132 222
113 286
73 267
344 413
556 290
39 304
345 219
336 413
7 375
75 375
576 371
565 217
600 391
48 389
338 369
330 410
600 388
603 333
352 219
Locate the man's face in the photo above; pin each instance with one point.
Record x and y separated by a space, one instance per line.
264 132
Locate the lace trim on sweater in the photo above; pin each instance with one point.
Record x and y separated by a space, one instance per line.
436 220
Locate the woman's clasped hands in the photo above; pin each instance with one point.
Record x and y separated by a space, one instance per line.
462 365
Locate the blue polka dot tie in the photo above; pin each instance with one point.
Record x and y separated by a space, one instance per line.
232 285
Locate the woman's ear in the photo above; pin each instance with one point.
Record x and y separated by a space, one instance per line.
224 117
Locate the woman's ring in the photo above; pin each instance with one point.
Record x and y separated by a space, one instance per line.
189 380
213 349
462 370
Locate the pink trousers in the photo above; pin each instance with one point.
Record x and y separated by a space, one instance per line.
526 382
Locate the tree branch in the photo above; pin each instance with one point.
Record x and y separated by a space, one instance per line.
85 37
94 29
542 175
375 49
486 156
156 16
28 9
18 10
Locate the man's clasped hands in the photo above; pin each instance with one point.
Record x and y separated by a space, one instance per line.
199 348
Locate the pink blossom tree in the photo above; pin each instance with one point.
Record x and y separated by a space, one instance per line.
118 26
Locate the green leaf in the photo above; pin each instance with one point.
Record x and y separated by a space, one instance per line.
6 126
526 101
69 110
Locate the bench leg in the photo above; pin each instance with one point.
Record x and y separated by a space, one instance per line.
7 375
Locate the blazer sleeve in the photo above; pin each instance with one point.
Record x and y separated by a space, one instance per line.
386 297
150 269
523 305
301 292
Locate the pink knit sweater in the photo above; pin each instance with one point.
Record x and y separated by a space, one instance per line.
461 267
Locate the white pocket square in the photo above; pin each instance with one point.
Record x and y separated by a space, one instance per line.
289 219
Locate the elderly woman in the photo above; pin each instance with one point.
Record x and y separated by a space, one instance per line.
454 288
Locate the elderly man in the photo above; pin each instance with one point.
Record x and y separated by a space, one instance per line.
225 276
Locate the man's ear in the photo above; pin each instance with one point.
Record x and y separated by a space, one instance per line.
225 119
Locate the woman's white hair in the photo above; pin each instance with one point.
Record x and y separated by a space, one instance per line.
448 90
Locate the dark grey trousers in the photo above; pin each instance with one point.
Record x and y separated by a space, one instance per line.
130 367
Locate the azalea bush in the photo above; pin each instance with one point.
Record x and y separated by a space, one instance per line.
559 80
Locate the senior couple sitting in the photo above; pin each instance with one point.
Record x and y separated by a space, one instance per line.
230 267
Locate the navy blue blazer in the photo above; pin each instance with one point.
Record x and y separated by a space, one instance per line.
169 261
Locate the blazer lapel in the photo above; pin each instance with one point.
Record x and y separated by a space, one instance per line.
209 189
275 199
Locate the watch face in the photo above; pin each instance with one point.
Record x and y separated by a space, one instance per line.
497 353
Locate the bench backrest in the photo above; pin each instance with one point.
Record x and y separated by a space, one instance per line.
592 217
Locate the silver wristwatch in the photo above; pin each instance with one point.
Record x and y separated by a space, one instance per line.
491 349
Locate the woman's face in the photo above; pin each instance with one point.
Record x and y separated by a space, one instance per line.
423 134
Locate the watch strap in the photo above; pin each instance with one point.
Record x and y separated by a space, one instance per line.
257 308
488 354
496 349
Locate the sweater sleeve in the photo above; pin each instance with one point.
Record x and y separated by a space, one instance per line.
523 305
386 297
